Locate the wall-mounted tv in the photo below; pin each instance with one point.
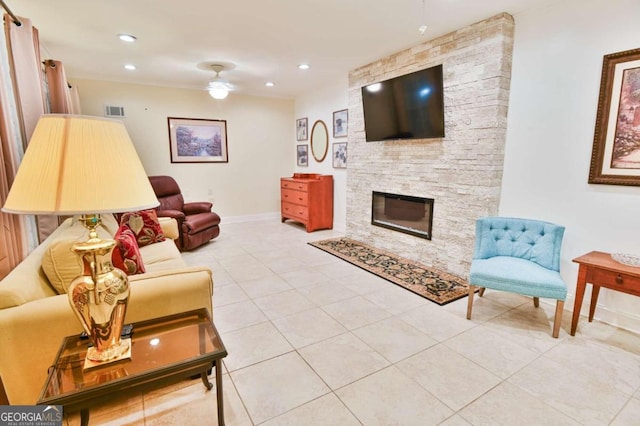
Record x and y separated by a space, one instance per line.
410 106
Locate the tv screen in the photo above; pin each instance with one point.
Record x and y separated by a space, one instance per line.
407 107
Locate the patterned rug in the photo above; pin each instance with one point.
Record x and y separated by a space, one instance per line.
436 286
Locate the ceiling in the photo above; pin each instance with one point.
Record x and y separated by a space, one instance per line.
265 40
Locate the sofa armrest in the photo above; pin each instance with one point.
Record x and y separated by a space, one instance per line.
197 207
175 214
31 334
169 227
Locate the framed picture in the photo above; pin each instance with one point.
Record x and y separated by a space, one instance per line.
615 158
340 155
340 122
302 129
302 152
196 140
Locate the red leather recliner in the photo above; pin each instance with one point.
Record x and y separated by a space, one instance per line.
197 224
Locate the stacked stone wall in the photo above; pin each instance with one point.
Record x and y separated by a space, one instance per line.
463 170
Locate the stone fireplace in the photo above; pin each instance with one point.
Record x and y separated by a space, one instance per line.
463 170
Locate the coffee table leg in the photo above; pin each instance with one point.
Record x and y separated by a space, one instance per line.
205 380
219 392
84 417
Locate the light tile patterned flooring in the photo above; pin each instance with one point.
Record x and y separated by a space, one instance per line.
313 340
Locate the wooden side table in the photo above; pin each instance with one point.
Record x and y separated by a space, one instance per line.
600 270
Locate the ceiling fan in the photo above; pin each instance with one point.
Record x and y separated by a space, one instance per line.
219 87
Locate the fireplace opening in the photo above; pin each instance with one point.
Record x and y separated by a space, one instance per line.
403 213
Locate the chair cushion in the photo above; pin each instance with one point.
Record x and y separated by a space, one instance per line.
517 276
145 226
126 254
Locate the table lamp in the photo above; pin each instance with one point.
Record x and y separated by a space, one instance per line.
82 165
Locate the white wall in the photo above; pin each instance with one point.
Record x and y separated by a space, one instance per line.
555 83
320 104
259 131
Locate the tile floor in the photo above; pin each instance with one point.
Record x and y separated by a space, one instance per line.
313 340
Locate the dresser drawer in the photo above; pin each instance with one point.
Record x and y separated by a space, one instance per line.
295 211
298 186
296 197
615 280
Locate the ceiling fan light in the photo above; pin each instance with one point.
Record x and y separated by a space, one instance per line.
218 90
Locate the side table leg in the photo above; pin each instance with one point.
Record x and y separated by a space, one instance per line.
205 380
219 392
577 305
84 417
595 290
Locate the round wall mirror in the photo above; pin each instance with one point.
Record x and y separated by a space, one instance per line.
319 140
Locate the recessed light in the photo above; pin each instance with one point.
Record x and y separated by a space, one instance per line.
269 84
127 37
130 67
303 66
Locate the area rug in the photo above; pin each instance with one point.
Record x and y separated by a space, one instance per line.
436 286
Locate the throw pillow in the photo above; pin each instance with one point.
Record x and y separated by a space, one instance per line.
61 265
126 254
145 226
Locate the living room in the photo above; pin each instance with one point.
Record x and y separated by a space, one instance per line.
549 138
555 75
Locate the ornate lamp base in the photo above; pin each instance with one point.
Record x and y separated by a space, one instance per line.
99 297
97 358
114 352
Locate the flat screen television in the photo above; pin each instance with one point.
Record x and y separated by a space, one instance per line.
410 106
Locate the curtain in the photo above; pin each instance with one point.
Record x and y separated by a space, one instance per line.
60 101
24 57
13 248
75 100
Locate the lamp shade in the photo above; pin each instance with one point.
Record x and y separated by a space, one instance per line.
80 164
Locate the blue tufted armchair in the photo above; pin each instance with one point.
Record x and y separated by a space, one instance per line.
520 256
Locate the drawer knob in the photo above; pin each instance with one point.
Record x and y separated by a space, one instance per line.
619 279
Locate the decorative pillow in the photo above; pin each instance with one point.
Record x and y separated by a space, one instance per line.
126 254
61 265
145 226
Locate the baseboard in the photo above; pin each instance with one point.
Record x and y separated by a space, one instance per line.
603 314
251 218
340 227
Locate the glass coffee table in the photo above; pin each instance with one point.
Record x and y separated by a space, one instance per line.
163 351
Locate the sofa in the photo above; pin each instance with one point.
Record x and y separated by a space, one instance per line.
34 318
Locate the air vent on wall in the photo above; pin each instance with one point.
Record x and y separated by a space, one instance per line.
113 111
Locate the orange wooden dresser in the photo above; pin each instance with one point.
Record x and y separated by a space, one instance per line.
308 198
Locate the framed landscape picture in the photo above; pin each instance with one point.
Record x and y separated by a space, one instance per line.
302 129
340 123
302 155
615 158
340 155
196 140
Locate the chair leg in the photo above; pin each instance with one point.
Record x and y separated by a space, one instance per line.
481 292
536 302
472 291
558 318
